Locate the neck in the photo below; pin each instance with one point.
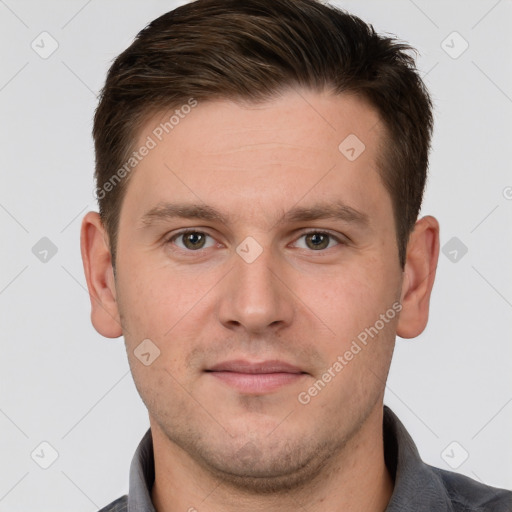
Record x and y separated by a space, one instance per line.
356 479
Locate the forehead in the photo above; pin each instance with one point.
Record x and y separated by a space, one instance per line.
298 146
301 118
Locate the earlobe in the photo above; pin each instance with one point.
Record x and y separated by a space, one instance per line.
419 275
98 270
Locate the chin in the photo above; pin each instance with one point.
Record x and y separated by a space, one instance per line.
267 468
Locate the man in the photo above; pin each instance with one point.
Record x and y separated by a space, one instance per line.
260 167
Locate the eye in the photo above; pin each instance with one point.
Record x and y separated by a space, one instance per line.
191 240
319 240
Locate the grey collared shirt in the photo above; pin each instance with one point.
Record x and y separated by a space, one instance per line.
418 487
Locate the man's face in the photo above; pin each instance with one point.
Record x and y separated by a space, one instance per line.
261 286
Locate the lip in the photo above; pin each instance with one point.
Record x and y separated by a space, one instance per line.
256 377
243 366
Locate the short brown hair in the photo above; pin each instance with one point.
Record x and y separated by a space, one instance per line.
250 50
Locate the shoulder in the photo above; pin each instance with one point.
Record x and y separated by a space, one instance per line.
119 505
468 495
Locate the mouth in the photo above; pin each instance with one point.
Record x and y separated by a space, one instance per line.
256 377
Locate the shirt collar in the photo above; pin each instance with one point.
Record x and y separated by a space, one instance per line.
416 485
142 476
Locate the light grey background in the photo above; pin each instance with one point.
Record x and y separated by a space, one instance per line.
63 383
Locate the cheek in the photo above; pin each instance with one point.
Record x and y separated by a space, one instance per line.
359 356
154 297
155 308
167 305
351 298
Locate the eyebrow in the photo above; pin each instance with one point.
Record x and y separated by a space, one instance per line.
318 211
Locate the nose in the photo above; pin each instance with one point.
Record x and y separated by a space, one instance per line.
257 295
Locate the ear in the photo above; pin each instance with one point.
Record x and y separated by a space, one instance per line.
419 274
99 274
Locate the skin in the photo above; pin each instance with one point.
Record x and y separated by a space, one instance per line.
217 448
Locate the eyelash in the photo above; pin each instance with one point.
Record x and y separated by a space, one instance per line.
171 239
